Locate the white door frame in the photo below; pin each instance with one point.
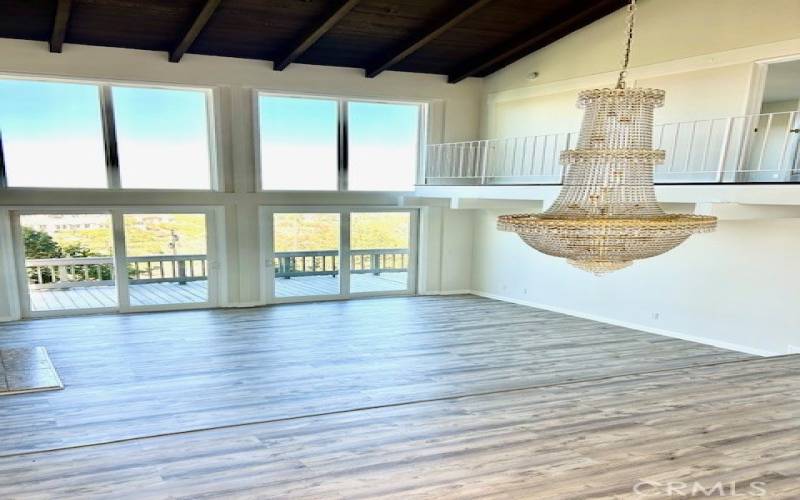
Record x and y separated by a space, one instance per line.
214 267
758 82
413 251
23 289
268 255
754 101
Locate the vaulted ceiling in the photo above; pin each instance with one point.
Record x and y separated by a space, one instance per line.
457 38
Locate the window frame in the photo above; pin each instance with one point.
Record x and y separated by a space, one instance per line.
105 100
267 251
217 269
342 169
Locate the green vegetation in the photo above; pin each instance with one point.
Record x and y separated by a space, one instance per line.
379 230
40 245
301 232
144 235
86 242
153 235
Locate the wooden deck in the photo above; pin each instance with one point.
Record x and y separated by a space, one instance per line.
300 286
412 397
145 294
95 297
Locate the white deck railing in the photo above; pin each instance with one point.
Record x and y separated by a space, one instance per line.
754 148
70 272
326 262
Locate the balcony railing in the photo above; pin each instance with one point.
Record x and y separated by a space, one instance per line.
753 148
326 262
71 272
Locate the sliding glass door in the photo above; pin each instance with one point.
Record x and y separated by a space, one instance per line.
114 260
68 262
380 245
306 254
339 253
167 259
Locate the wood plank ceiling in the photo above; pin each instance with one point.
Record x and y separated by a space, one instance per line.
457 38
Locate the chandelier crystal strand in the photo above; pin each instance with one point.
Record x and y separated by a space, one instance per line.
606 215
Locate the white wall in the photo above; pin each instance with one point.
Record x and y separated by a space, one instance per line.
448 238
737 287
456 256
455 111
693 95
666 30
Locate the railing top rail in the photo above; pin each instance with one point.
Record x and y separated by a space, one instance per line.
723 118
308 253
64 261
355 251
498 139
69 261
365 251
167 258
702 120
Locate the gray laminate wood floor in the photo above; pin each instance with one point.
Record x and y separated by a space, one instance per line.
421 397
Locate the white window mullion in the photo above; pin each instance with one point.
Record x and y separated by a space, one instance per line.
413 252
110 137
120 261
344 253
214 274
343 147
18 242
3 181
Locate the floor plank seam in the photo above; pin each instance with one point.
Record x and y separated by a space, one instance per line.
396 404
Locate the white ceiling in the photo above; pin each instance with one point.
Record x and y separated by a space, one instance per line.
783 82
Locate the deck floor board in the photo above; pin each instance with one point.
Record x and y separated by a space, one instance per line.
93 297
147 294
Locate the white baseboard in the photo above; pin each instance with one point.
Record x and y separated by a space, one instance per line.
448 292
242 305
633 326
5 319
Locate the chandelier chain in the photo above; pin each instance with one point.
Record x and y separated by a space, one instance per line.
627 57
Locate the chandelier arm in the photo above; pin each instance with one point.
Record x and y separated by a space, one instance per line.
627 57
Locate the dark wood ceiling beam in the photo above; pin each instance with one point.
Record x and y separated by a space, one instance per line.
537 37
194 30
315 33
60 25
430 34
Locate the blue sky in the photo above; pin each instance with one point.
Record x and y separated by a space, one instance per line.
289 120
40 109
299 143
52 133
160 115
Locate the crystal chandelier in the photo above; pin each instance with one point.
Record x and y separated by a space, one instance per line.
606 215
